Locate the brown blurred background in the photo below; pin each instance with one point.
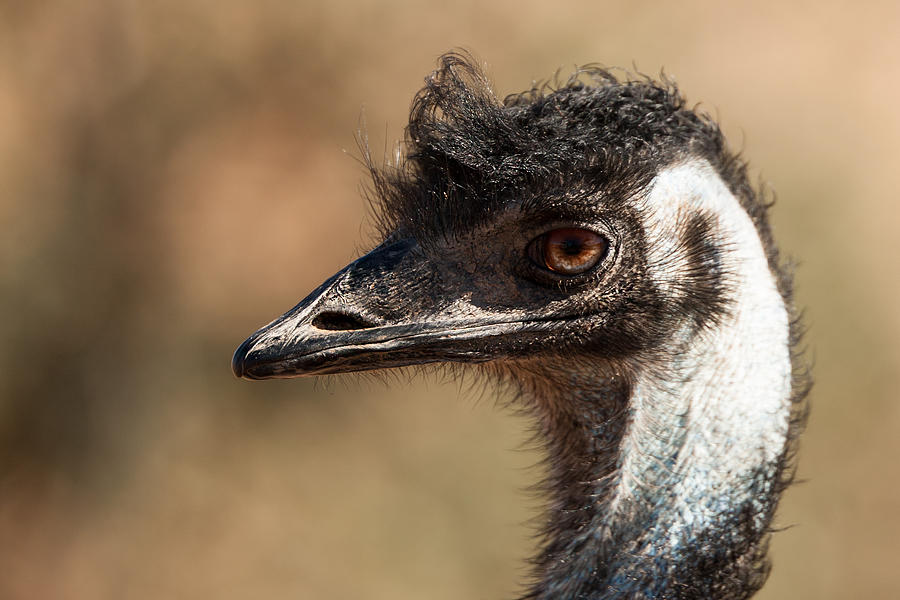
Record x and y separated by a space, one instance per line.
173 174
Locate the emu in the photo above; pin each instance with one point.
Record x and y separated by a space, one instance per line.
596 245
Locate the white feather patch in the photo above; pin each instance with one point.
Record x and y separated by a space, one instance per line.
730 386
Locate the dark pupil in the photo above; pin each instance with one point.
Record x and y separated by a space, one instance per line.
572 246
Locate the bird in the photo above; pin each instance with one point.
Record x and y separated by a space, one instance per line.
595 244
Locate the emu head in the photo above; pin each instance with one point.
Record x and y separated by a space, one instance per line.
518 230
599 246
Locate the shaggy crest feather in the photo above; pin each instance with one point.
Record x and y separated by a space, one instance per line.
467 152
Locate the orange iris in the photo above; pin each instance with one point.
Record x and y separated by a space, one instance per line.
570 251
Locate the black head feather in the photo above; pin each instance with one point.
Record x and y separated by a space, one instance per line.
467 152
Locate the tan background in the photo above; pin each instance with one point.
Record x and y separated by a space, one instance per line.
173 174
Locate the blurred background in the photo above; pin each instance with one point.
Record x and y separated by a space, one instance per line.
173 174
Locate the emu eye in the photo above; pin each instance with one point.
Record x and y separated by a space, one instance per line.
568 251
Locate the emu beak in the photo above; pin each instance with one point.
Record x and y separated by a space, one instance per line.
386 309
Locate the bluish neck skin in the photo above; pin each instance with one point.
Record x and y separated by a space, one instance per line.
654 495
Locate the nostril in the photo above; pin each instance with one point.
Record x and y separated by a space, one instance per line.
337 321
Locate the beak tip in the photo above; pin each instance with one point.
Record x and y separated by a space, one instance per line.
239 360
237 365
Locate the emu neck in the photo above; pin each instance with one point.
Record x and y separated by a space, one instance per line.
667 467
